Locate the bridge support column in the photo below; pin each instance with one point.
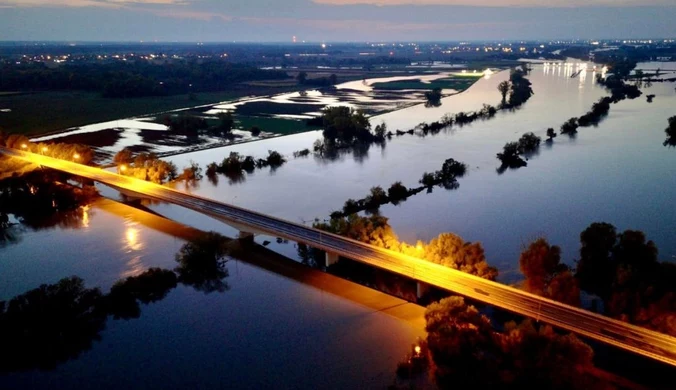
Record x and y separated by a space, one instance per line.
421 289
331 259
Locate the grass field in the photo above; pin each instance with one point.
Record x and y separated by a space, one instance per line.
40 113
273 125
460 83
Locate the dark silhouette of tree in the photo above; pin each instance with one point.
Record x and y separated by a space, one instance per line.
376 197
504 88
344 126
510 156
49 325
570 127
529 143
397 192
202 263
551 134
433 98
151 286
671 132
546 276
623 270
255 131
302 77
467 352
225 124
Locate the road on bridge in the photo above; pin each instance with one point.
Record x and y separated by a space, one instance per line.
607 330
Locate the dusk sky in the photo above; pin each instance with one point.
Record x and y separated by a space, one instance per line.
333 20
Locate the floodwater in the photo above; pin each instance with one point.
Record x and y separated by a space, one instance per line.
266 331
293 107
618 172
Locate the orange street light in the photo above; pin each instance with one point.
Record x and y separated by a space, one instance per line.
76 156
417 350
24 146
123 168
45 149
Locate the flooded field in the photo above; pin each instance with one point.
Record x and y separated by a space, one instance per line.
276 115
570 184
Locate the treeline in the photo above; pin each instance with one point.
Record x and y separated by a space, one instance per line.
447 177
347 128
622 269
34 197
467 349
529 143
510 157
520 89
82 154
137 79
671 132
149 167
447 249
236 164
55 323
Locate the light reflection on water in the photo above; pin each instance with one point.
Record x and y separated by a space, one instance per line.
267 331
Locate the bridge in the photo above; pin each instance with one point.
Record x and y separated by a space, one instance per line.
629 337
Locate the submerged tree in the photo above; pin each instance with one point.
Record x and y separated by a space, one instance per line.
546 275
671 132
504 88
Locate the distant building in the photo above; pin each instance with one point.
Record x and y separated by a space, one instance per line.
663 59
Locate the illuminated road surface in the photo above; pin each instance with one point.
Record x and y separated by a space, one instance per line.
620 334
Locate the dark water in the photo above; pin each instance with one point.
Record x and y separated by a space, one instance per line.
618 172
266 331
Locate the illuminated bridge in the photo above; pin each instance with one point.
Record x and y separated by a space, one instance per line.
616 333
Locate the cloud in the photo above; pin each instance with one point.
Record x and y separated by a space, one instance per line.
505 3
86 3
368 25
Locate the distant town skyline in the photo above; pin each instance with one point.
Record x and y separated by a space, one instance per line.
333 20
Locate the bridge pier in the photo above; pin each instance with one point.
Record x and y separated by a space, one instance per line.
421 289
330 259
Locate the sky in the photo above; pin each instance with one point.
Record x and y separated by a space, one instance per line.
333 20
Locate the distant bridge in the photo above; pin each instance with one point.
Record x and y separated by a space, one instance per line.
632 338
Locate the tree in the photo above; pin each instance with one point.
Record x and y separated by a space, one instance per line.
510 156
551 134
124 156
301 77
226 122
255 131
529 143
433 98
344 126
594 269
504 88
397 192
467 352
451 251
461 345
671 132
333 79
380 131
377 197
570 127
546 276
